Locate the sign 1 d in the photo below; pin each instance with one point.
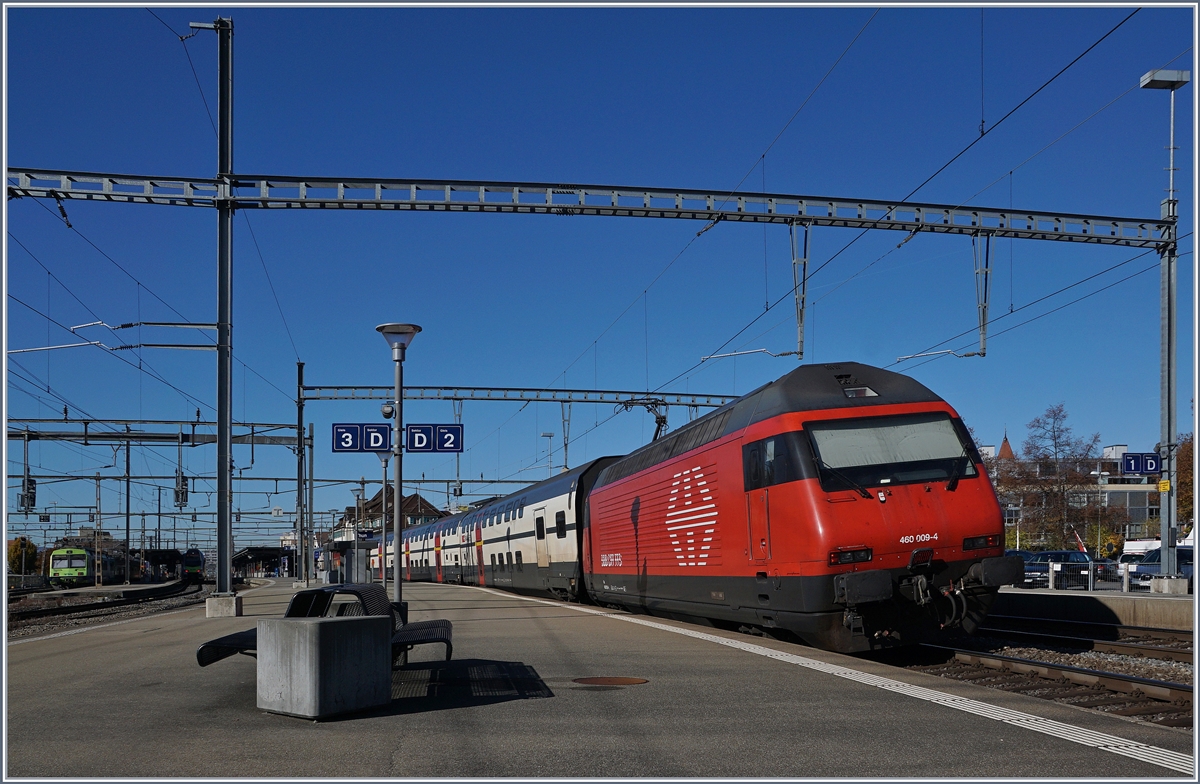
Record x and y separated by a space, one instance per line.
1141 463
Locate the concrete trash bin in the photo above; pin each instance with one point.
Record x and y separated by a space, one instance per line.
319 667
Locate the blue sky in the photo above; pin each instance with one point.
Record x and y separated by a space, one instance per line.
666 98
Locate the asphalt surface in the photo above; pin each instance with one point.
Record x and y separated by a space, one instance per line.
129 700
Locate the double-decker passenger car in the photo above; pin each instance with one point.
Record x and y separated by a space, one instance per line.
842 503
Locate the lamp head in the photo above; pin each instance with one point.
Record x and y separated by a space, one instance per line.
1165 80
398 335
388 410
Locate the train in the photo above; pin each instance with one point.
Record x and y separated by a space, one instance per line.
842 504
75 567
192 569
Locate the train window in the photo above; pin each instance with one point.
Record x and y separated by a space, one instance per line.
540 525
560 525
772 461
493 560
521 508
520 567
508 557
873 451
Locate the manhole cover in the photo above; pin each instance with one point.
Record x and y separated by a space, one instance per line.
610 681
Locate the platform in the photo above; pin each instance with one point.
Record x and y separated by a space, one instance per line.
126 699
1158 611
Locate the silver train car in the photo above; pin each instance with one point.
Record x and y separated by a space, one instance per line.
528 542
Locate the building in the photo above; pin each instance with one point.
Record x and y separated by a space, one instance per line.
1098 502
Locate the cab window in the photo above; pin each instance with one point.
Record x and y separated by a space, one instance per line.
771 461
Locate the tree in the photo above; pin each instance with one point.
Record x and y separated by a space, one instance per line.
1055 476
1184 477
22 556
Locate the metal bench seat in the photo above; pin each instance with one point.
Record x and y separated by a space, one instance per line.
223 647
316 603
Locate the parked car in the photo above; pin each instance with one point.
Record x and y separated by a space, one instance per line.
1152 564
1131 558
1107 569
1025 554
1074 570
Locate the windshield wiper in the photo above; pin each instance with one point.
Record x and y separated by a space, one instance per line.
844 478
952 485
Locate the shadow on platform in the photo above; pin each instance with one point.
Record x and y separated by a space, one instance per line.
441 685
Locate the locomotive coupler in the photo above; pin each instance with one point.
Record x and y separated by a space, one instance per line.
920 587
853 621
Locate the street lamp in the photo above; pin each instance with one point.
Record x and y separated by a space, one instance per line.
383 488
1099 506
358 497
549 452
1168 80
398 337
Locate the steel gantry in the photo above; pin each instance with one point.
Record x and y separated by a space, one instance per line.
230 191
539 198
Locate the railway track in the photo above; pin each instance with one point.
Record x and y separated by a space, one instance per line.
1097 630
1125 646
16 617
1144 699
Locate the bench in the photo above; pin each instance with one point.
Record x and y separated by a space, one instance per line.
316 603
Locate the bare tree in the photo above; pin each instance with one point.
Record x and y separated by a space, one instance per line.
1185 480
1055 474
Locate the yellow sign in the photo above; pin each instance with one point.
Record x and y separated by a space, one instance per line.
1164 486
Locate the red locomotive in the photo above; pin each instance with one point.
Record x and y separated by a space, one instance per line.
842 503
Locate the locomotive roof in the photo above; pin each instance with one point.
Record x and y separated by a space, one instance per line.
807 388
559 484
825 386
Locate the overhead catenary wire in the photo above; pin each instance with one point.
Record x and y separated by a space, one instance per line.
734 190
271 285
153 375
927 180
1089 295
150 291
1048 296
253 237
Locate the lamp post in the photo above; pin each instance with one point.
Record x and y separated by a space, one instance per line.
1168 80
549 452
1099 506
398 336
358 496
383 488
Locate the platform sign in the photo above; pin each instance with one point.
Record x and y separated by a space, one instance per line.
347 438
373 437
448 438
419 438
377 438
1141 463
433 438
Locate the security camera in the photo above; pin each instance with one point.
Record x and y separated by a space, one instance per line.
388 410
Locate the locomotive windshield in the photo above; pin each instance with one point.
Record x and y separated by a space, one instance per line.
69 561
890 450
